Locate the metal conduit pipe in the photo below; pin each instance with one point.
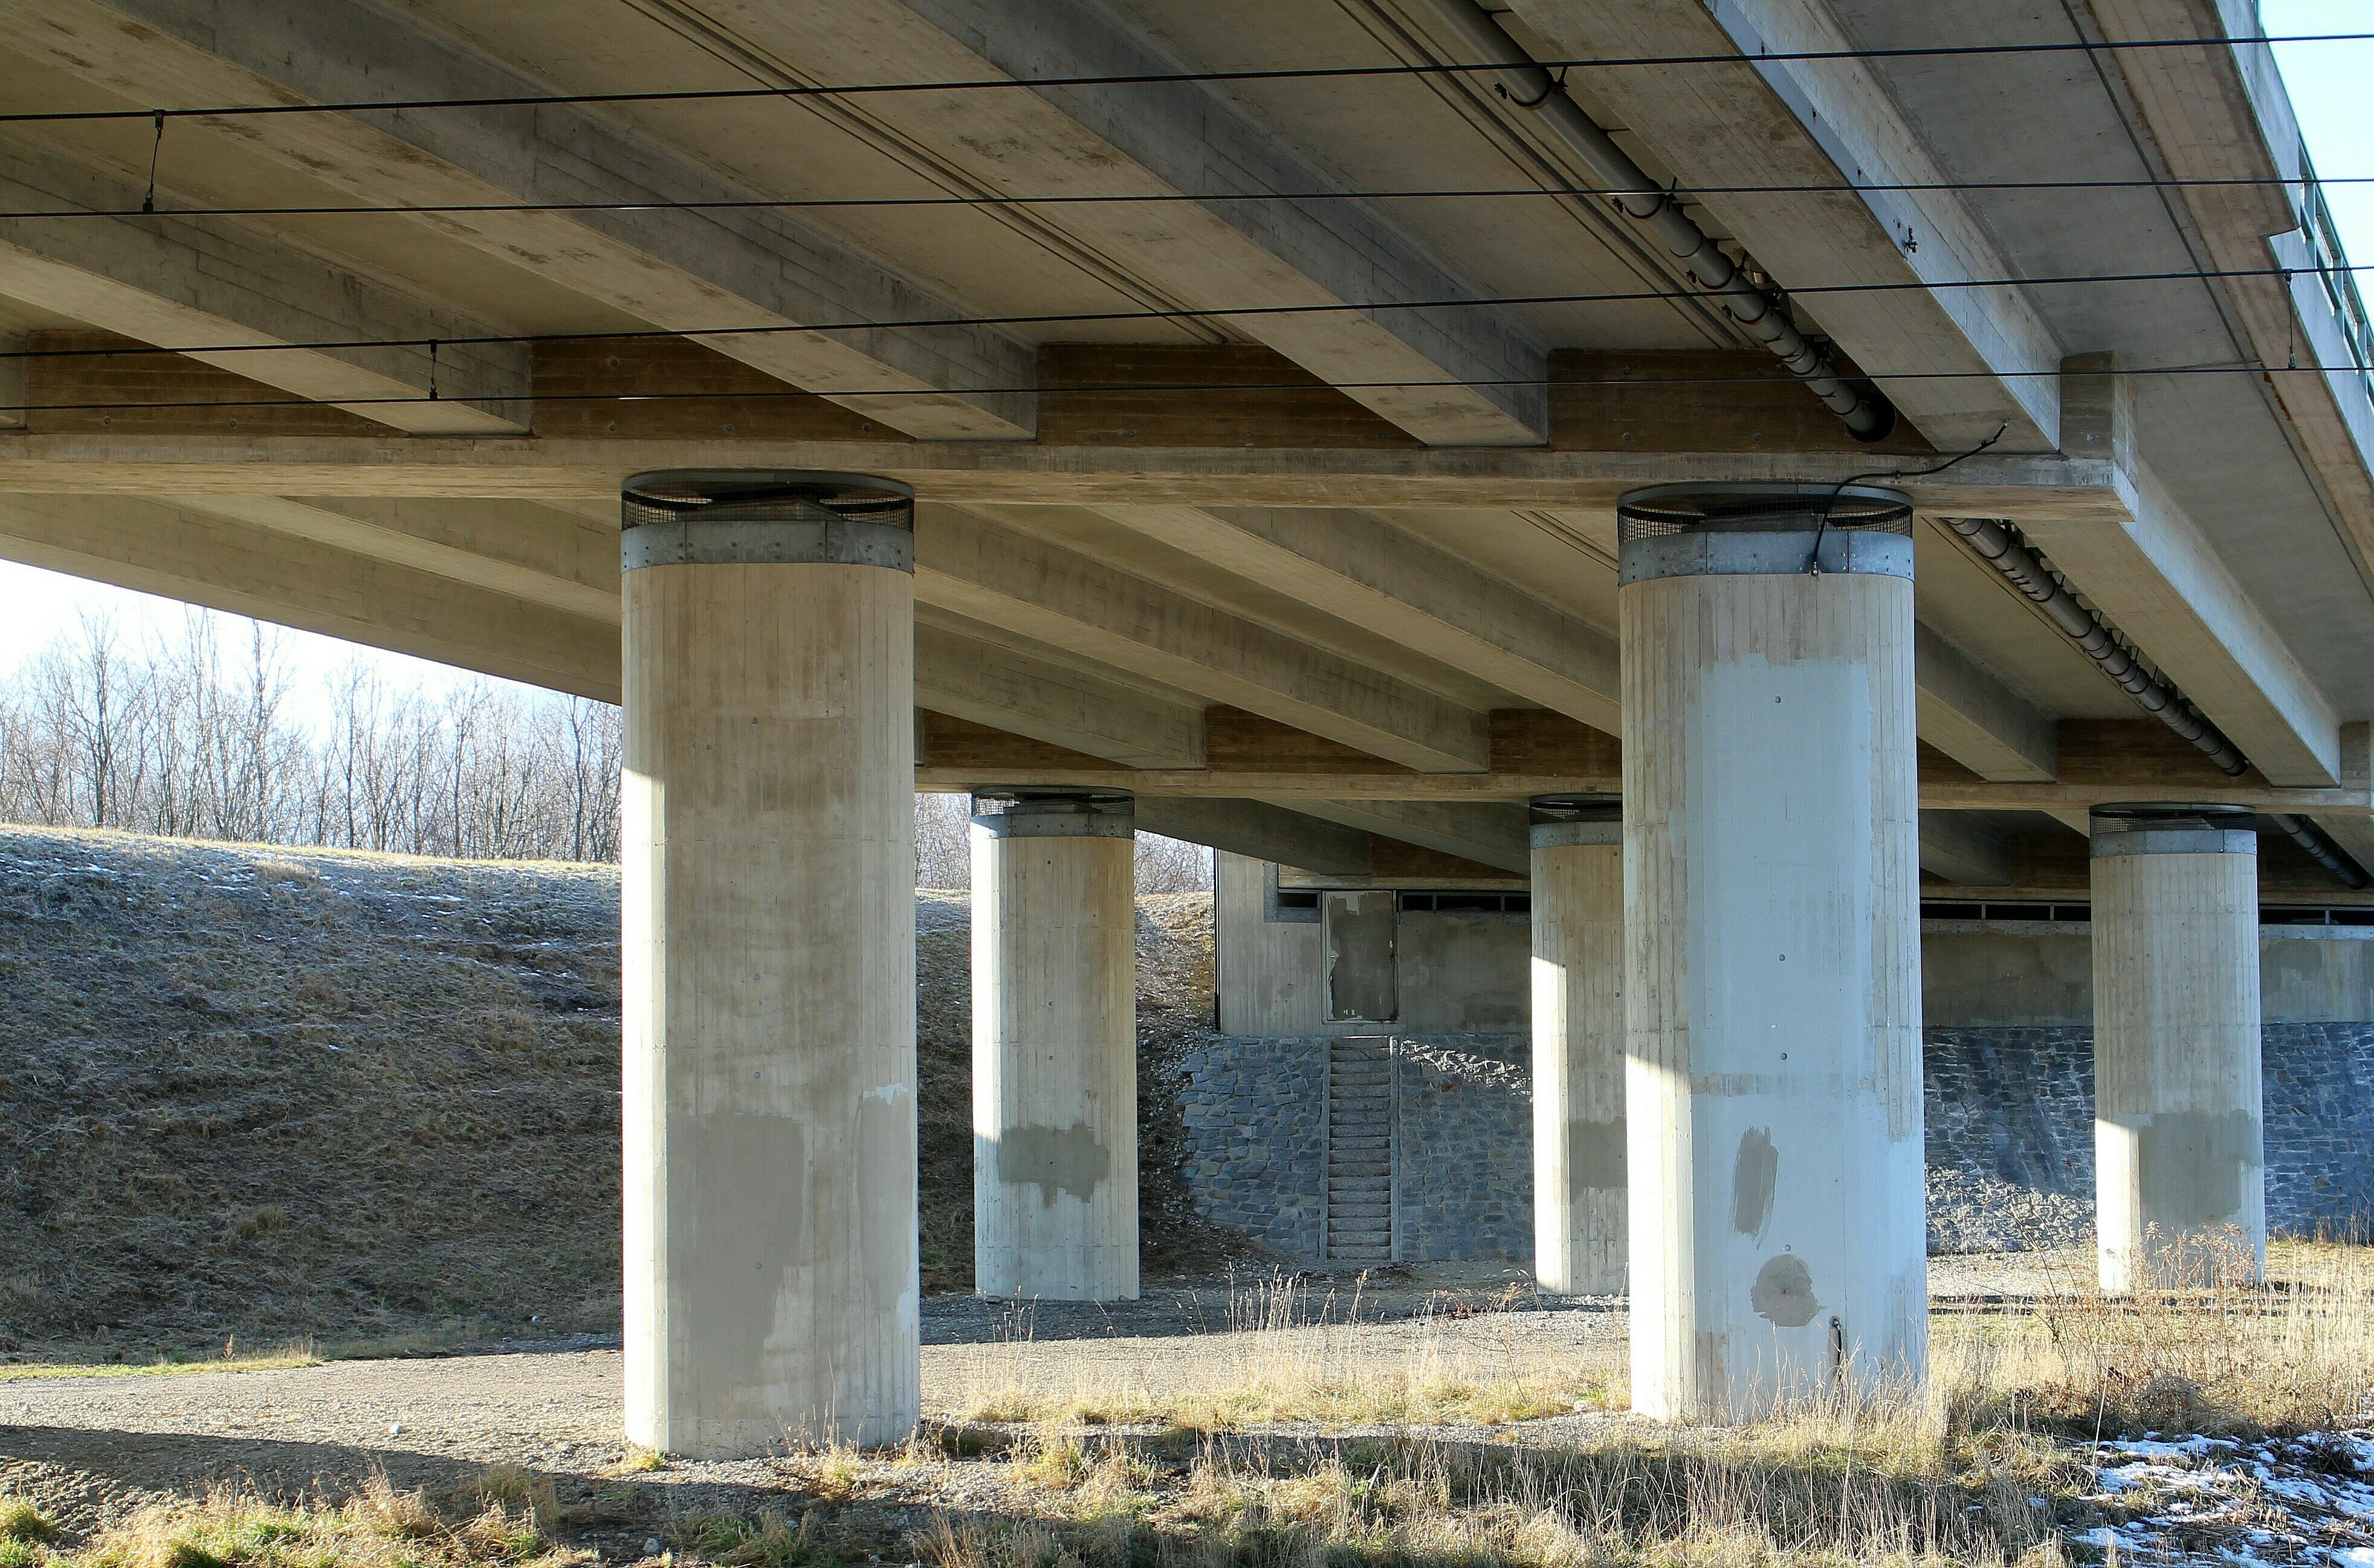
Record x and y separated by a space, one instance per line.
1868 416
2021 566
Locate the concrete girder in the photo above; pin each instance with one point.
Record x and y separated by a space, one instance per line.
156 548
1156 139
518 550
1766 122
1964 851
1974 717
1370 573
2222 114
1056 596
1488 833
967 678
691 272
2157 577
1260 830
195 285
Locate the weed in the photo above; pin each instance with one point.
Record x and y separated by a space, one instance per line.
20 1521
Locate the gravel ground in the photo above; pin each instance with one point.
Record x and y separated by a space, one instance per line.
89 1449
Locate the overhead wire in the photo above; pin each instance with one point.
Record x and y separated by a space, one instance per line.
1160 198
1160 78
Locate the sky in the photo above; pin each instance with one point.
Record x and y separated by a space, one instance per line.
2328 95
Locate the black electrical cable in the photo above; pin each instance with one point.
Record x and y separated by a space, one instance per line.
1165 78
1083 317
1822 524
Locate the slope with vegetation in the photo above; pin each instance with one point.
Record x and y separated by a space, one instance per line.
266 1094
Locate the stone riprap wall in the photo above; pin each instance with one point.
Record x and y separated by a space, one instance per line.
1256 1159
2010 1139
2011 1133
1463 1156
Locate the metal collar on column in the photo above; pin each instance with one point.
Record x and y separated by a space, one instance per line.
766 517
1055 814
1779 528
2172 828
1562 820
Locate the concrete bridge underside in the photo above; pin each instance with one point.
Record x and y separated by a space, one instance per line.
1261 484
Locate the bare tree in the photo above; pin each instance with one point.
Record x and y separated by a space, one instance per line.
177 737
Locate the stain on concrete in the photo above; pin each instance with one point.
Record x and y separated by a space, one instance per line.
1594 1156
1054 1159
885 1174
1713 1392
1784 1292
1752 1177
2193 1165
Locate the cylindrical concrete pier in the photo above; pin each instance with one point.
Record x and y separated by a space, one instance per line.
2179 1167
1773 923
769 962
1054 1047
1578 919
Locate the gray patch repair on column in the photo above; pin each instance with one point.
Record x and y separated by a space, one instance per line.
2193 1166
1594 1156
1752 1177
738 1190
1784 1292
886 1162
1054 1159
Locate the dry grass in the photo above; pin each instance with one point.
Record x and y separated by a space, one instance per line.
378 1527
1988 1466
299 1353
1293 1356
2213 1356
1813 1499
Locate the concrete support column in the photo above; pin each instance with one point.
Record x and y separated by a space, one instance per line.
2179 1169
1579 1191
1054 1047
1772 922
769 962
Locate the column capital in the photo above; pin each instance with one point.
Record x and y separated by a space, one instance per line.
765 517
1029 813
1560 821
2171 827
1753 528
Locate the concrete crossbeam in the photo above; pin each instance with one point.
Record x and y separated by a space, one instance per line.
1059 597
1974 717
691 272
958 473
1148 138
231 297
1375 575
157 549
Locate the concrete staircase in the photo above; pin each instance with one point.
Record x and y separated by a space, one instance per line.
1360 1149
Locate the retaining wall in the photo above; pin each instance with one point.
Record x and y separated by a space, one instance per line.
2010 1138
